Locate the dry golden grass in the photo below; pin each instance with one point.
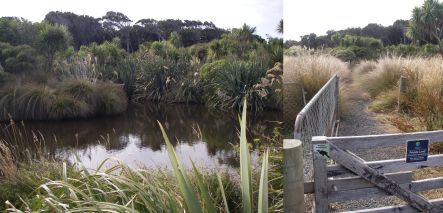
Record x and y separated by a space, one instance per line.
424 96
312 71
427 173
308 73
365 67
7 166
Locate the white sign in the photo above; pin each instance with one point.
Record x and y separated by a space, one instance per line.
321 151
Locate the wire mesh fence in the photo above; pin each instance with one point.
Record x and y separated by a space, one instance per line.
317 118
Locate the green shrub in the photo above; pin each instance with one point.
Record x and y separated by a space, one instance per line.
403 50
430 49
200 51
234 83
157 77
345 54
17 58
209 70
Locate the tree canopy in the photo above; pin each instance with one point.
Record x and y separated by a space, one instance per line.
426 23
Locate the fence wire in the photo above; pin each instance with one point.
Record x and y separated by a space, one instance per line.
317 118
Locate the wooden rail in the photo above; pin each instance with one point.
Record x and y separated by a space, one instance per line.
329 186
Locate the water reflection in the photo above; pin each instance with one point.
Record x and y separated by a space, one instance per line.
205 137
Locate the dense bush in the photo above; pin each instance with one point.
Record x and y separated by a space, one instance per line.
426 50
17 58
164 70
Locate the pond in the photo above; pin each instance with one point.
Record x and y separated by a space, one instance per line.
205 137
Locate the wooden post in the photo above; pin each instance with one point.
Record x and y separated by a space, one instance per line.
320 178
402 90
293 196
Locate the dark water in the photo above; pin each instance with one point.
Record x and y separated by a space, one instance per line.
201 135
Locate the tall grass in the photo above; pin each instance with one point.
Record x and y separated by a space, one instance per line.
311 72
424 96
69 99
303 76
123 189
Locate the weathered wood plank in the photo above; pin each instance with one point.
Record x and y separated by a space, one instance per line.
394 209
381 181
389 166
352 183
387 140
321 180
367 193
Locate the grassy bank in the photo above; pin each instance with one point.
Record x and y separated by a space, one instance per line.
64 100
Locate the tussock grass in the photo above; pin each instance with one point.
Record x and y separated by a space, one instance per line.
424 96
111 99
66 107
312 71
307 73
386 75
365 67
71 99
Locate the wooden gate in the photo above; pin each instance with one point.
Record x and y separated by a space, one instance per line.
369 179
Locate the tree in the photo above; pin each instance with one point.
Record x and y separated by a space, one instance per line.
17 31
51 39
280 27
118 21
397 32
309 41
426 23
84 29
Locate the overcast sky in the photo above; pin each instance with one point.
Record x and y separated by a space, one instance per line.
263 14
302 17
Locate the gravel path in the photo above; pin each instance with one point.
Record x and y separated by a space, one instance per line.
359 121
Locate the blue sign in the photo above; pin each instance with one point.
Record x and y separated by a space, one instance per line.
417 151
